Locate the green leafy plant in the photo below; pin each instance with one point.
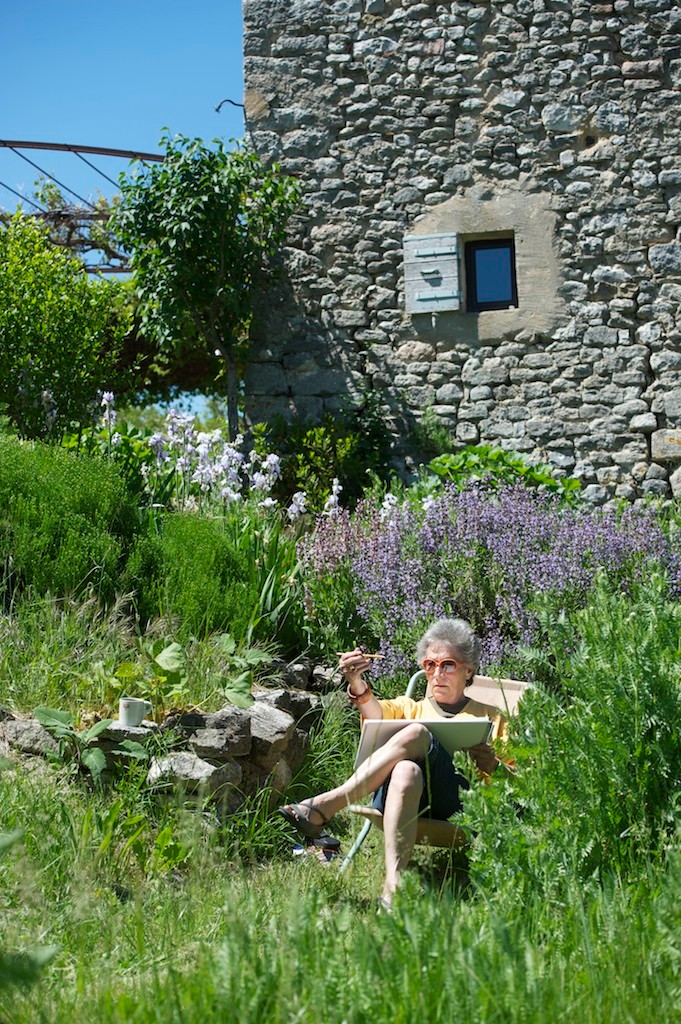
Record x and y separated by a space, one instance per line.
200 228
349 446
236 679
599 755
498 466
61 334
21 968
76 749
67 521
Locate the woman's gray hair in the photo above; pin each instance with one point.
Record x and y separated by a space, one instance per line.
458 634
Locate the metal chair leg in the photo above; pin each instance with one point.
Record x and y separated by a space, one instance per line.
355 847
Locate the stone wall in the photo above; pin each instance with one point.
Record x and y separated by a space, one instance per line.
556 121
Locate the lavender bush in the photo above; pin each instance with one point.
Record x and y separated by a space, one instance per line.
382 574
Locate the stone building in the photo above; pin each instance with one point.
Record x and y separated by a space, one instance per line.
491 223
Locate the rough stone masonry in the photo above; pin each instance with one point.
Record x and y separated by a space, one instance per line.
552 123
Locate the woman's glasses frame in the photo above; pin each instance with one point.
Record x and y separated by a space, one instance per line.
448 666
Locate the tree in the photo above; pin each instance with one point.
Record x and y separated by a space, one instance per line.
201 228
61 335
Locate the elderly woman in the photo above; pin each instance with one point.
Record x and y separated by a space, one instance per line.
411 774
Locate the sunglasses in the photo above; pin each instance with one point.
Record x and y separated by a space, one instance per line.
448 666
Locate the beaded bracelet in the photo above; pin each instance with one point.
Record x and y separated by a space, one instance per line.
360 698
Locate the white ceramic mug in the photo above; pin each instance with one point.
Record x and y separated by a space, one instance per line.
132 710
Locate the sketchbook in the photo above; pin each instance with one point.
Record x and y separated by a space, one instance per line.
453 733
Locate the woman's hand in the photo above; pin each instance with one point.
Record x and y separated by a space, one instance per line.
484 758
352 664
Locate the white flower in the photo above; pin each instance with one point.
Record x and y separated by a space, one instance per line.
108 398
332 503
427 502
116 439
390 503
267 503
298 506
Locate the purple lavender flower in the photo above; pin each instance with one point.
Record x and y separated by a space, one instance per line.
482 555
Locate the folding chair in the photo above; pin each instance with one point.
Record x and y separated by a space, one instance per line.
504 694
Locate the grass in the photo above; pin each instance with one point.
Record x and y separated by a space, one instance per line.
218 940
569 907
217 922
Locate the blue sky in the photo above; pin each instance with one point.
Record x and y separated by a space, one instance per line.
113 75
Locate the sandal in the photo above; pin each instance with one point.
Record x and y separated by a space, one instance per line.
294 814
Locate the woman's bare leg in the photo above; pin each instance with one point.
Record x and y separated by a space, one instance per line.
400 817
409 744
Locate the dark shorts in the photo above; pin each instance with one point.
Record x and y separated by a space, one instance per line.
441 795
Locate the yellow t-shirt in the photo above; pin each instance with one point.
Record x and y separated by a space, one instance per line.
405 707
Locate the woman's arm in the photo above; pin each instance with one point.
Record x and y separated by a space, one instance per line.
352 664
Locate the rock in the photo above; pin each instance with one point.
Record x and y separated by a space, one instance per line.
666 445
192 773
675 482
672 406
559 118
297 674
220 744
186 721
117 732
665 259
28 736
644 423
272 730
595 494
323 679
304 708
656 488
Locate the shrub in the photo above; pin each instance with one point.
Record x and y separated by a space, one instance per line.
189 571
385 572
347 446
599 763
236 574
61 334
67 521
497 466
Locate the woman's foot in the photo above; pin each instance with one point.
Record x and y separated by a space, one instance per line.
305 819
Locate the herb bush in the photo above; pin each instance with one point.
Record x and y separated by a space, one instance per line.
383 573
67 521
235 573
599 759
189 571
498 466
348 446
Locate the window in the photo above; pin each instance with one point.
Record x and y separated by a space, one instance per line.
490 274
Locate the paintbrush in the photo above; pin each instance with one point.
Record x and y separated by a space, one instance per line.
341 653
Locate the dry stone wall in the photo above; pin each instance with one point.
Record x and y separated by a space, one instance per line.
553 121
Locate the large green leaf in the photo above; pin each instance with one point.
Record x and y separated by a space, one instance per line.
95 761
238 690
171 660
61 723
133 749
95 730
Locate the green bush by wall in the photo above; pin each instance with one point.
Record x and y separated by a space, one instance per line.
66 521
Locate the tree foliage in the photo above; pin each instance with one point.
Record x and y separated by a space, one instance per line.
201 227
61 335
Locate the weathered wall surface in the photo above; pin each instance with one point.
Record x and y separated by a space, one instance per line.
556 120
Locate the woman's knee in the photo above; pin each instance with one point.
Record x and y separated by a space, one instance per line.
415 739
406 777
